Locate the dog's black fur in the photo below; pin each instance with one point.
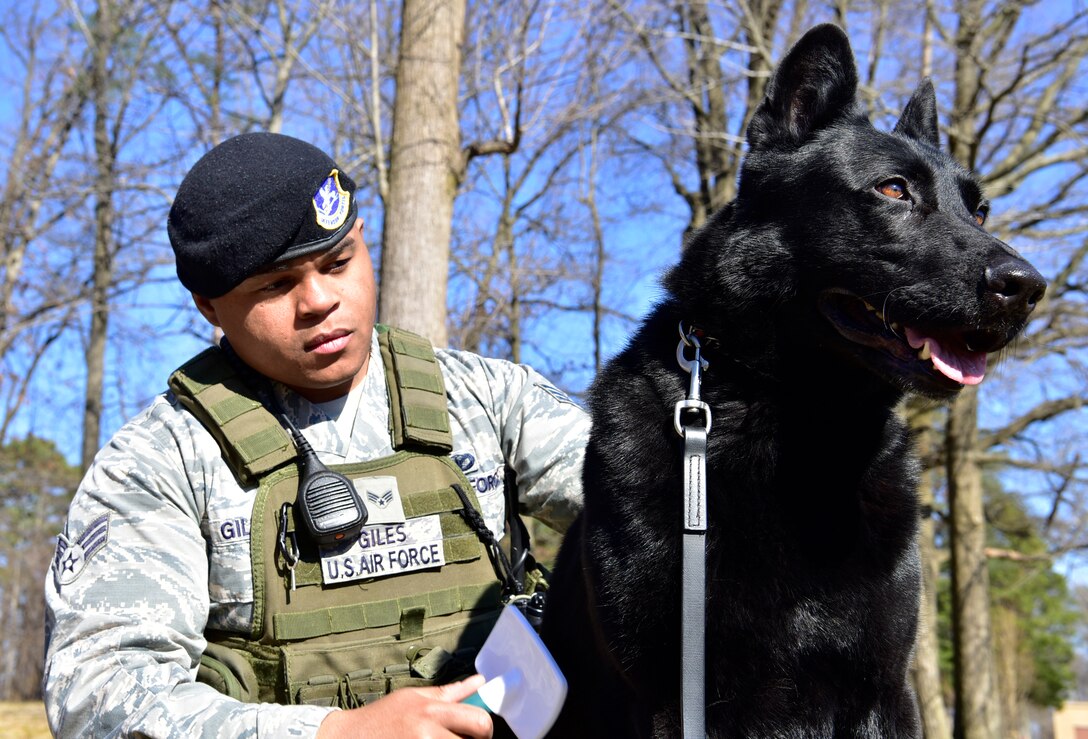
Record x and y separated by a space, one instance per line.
812 570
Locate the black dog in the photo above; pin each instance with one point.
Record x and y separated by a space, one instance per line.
852 268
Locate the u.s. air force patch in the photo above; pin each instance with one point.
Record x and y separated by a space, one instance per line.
71 556
386 549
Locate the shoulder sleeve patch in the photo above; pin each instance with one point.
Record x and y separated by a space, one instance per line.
71 557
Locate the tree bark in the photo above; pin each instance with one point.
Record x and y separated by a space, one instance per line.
423 168
1012 674
978 714
926 669
978 708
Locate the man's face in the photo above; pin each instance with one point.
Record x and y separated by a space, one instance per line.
306 322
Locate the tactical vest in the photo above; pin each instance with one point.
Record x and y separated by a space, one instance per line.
346 644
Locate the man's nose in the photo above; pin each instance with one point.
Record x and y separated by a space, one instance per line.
316 295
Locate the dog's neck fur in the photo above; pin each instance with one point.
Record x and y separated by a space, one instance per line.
742 352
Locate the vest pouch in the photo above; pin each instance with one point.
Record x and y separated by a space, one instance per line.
228 671
354 673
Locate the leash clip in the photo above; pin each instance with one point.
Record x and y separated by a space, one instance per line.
692 405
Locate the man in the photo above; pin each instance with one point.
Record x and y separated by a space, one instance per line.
189 559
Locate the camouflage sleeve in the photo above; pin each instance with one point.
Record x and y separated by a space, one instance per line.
127 599
542 432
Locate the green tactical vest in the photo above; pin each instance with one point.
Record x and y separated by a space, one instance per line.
350 643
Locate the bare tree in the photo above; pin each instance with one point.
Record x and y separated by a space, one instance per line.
425 167
103 37
116 71
36 305
994 128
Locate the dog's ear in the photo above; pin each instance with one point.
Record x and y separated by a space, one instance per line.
813 86
919 119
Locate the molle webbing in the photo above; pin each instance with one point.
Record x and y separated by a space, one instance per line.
424 482
417 395
371 615
313 641
252 441
350 642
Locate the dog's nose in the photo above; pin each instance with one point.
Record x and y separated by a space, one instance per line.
1016 285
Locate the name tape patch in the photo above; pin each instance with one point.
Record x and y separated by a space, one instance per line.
226 531
386 549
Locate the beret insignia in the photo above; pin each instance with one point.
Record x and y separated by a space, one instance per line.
332 203
254 200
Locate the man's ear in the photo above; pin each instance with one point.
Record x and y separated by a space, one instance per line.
813 86
204 305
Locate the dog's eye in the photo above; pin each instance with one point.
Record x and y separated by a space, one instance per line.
980 214
895 188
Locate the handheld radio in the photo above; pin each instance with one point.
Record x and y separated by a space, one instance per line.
332 510
331 507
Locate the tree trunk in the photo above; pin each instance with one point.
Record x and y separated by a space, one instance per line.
978 708
716 184
103 233
1012 675
978 714
926 670
423 168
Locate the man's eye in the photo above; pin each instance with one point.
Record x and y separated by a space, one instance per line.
274 286
895 188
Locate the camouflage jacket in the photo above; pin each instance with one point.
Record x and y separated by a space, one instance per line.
156 546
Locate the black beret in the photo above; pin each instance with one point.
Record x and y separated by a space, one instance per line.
253 200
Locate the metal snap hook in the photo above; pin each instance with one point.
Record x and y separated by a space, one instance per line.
686 340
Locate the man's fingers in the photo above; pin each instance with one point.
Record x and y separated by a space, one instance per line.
463 720
415 712
457 692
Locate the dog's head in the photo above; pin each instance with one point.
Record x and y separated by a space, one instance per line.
879 237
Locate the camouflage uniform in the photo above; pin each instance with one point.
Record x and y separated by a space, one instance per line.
156 547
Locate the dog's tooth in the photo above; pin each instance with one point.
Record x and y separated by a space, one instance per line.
872 309
895 326
924 352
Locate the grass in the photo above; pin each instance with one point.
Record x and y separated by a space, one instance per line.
23 720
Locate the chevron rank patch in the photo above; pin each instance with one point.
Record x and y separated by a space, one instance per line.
382 499
555 392
71 557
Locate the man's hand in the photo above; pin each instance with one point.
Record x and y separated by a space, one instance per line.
414 712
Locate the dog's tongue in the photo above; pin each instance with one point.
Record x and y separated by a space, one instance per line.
964 366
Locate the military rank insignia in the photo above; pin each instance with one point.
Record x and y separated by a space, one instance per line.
71 556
